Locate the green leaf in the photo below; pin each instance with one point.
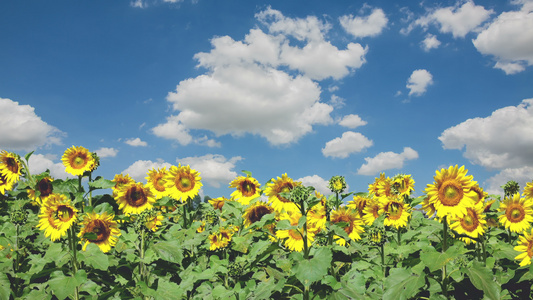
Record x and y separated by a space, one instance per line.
101 183
241 243
64 286
314 269
248 173
5 286
402 284
27 156
482 278
435 260
94 257
168 290
169 251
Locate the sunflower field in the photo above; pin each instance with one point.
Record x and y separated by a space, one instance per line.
94 238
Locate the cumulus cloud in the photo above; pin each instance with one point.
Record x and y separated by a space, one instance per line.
138 4
106 152
136 142
215 169
319 183
509 39
262 85
22 129
352 121
350 142
365 26
419 81
430 42
521 175
501 140
39 163
139 169
457 20
386 161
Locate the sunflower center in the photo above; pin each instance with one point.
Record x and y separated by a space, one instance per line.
159 184
12 165
285 188
101 230
258 212
345 219
64 213
450 194
247 188
45 187
470 221
136 196
515 213
185 183
395 211
79 162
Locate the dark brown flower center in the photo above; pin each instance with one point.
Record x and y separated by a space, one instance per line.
184 182
515 213
45 187
65 213
258 212
450 193
101 230
470 221
247 188
12 164
136 196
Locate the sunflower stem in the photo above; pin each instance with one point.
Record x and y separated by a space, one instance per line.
185 215
382 252
444 248
484 250
28 174
74 260
90 190
80 189
142 271
399 236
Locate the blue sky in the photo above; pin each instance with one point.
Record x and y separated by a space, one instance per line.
308 88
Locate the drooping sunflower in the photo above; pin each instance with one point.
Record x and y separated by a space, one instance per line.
135 198
354 224
57 216
156 183
316 216
120 181
373 188
78 160
247 189
480 193
153 221
451 192
473 223
218 203
358 204
397 212
255 212
403 184
45 189
5 185
10 166
525 245
182 182
428 207
385 188
371 212
293 237
99 229
220 239
528 190
281 185
517 213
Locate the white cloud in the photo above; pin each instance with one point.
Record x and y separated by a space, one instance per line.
138 4
430 42
521 175
173 129
386 161
501 140
106 152
509 38
350 142
457 20
136 142
39 163
370 25
139 169
419 81
352 121
319 183
215 169
22 129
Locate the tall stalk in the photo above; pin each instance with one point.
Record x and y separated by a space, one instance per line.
444 248
72 241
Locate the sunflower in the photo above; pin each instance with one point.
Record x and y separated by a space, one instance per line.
525 245
451 192
57 216
121 181
397 212
255 212
480 193
353 227
294 238
45 189
472 223
371 212
218 203
428 207
528 190
385 188
156 183
337 184
247 188
403 184
316 216
10 166
359 203
220 239
182 182
5 185
153 221
99 229
517 213
135 198
373 188
78 160
281 185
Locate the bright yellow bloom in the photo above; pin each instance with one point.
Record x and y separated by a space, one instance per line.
473 223
428 207
5 185
220 239
525 245
316 216
57 216
371 211
255 212
135 198
247 189
182 182
10 166
281 185
403 185
528 190
397 212
373 189
99 229
480 194
293 237
517 213
78 160
153 221
218 203
451 192
120 181
359 203
354 224
156 183
385 188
